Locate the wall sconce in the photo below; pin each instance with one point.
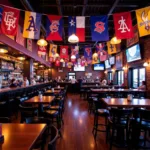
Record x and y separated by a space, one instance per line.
113 70
105 72
125 67
146 63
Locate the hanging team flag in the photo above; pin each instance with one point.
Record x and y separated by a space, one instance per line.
99 28
52 50
111 48
32 25
88 54
9 23
63 51
143 21
123 25
42 50
19 37
54 28
1 12
29 44
77 26
75 51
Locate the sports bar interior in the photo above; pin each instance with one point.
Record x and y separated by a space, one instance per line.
74 74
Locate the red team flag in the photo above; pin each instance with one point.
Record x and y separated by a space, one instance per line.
42 50
9 24
63 51
123 25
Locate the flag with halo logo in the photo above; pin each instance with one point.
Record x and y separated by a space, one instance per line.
143 21
123 25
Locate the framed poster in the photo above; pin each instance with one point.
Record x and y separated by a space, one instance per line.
119 60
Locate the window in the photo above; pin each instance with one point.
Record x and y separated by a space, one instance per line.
120 77
138 76
110 76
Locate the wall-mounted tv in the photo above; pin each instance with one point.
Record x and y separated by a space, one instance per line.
98 67
79 68
133 53
112 60
107 65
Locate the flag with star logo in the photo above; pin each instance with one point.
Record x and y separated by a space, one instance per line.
77 26
111 48
9 23
54 28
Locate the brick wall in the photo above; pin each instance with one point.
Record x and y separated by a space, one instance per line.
145 53
88 69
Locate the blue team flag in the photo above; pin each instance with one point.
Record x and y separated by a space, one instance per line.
99 28
88 52
72 25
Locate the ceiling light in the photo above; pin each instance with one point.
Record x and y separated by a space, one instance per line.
61 60
42 41
56 55
41 66
145 64
73 57
2 50
114 40
21 58
73 39
35 63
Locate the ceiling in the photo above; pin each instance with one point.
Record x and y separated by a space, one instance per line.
81 8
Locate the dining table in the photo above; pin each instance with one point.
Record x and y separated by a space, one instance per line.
21 136
40 100
55 92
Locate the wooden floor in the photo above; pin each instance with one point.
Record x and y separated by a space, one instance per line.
77 129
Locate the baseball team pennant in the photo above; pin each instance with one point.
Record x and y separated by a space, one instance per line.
9 23
111 48
99 28
88 53
1 12
52 50
143 21
42 50
19 37
77 26
123 25
75 51
32 25
63 51
54 28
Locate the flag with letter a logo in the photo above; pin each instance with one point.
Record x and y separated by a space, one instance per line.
9 24
54 28
77 26
143 21
111 48
32 25
99 28
123 25
63 51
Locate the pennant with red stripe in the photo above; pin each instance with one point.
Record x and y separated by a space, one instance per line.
123 25
63 51
9 24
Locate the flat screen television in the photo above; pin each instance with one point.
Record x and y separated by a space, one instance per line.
107 65
133 53
98 67
112 60
79 68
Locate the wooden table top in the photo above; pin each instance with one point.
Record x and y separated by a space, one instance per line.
51 92
42 100
123 102
59 88
117 90
20 136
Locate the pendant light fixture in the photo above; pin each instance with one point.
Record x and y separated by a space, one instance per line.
42 41
3 49
21 58
114 40
73 38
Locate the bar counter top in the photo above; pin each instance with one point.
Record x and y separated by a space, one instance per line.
8 89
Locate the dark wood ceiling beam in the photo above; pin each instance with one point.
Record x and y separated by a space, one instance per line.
61 13
84 7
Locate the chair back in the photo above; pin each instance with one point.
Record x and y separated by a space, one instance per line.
53 139
4 120
144 115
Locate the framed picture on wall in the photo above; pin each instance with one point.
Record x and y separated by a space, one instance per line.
60 69
119 60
